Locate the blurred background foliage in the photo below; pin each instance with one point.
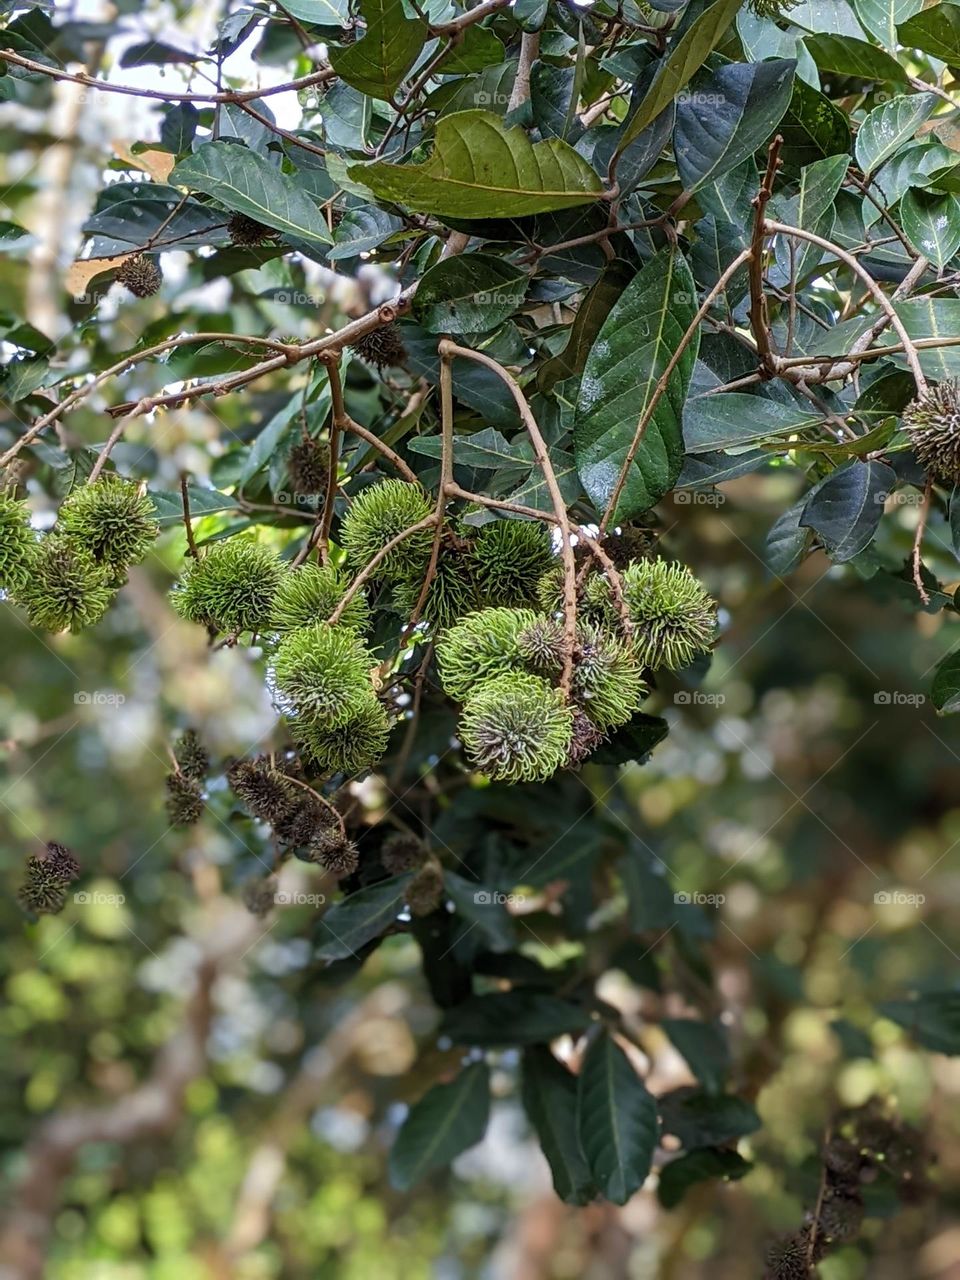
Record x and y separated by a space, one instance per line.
806 775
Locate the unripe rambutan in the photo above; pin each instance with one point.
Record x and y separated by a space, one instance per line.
607 681
426 890
481 645
112 519
376 516
66 589
516 728
308 466
322 674
247 233
674 616
510 557
192 757
541 644
310 593
17 544
42 892
351 747
933 425
594 597
773 9
451 594
334 852
184 800
402 852
140 274
230 587
381 347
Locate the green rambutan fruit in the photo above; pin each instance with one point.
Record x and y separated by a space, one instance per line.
481 645
351 747
510 557
607 679
426 890
334 852
310 593
540 644
230 587
308 466
322 673
594 597
772 9
248 233
516 728
260 895
933 425
674 616
381 347
17 544
402 851
66 589
184 800
192 757
376 516
140 274
451 594
112 519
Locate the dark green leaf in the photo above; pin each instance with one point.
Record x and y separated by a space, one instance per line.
469 294
203 502
677 1177
705 1048
246 183
812 128
889 126
634 347
945 690
851 57
701 1119
932 223
588 322
364 915
513 1017
845 508
447 1120
717 422
932 1019
483 908
378 62
550 1101
482 169
617 1118
935 30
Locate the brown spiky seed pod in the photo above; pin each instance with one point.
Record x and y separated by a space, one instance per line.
382 347
932 422
140 274
264 791
247 233
841 1217
426 891
584 740
184 800
402 852
790 1259
308 465
334 852
61 862
259 896
302 823
191 755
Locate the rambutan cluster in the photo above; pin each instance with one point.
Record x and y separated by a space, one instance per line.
47 879
185 781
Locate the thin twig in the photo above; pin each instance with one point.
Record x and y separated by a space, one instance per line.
915 558
759 321
187 522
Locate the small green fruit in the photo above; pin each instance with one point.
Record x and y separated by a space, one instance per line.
310 594
112 519
230 587
66 588
516 728
379 514
17 544
510 558
322 674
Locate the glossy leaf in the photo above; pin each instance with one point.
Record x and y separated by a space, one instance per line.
932 1019
469 294
702 1165
617 1118
634 347
932 224
377 63
880 18
846 507
851 57
717 422
889 126
447 1120
357 919
550 1101
936 31
513 1017
244 182
482 169
945 689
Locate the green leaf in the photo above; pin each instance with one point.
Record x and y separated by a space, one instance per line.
482 908
472 293
244 182
362 230
851 57
630 355
701 1119
932 224
617 1118
787 541
936 31
325 13
480 168
932 1019
550 1101
812 128
362 916
479 48
933 318
704 1046
880 18
587 323
811 210
685 57
677 1177
513 1017
203 502
447 1120
889 126
487 449
632 741
728 116
845 508
391 45
717 422
945 689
